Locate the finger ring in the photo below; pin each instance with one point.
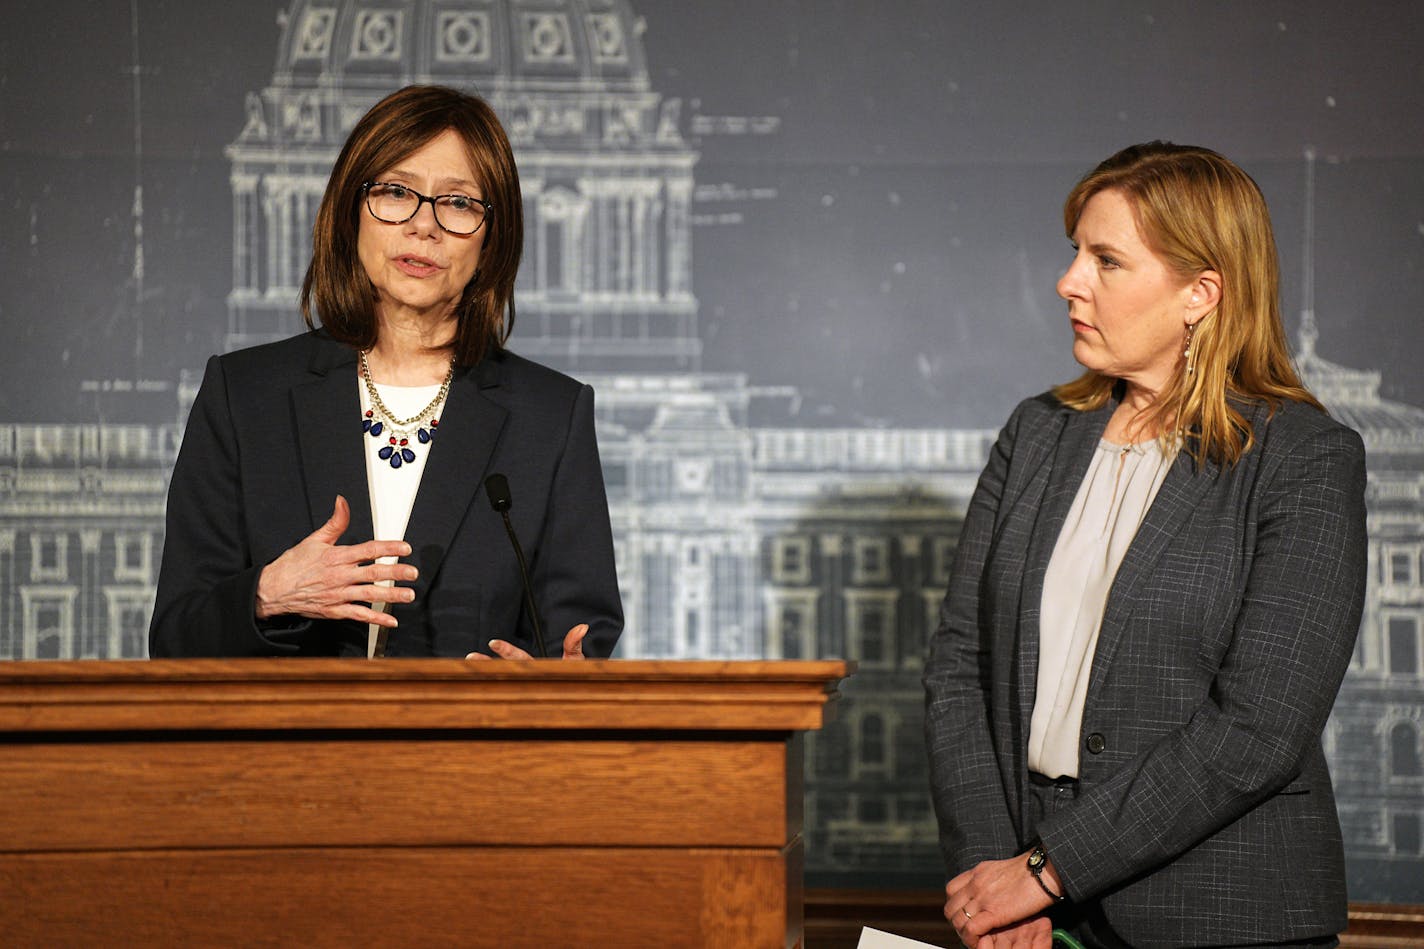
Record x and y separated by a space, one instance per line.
965 911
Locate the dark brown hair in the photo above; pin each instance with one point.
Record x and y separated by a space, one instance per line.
336 287
1198 211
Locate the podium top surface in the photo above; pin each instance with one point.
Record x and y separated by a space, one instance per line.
403 694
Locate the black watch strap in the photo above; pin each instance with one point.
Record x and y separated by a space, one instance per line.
1037 859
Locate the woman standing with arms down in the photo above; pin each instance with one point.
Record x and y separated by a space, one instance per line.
318 471
1154 600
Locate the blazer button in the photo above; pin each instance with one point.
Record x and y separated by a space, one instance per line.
1097 744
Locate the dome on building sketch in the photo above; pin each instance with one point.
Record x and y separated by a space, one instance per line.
483 44
605 174
567 74
1353 397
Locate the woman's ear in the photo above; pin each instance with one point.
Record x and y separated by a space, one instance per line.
1205 295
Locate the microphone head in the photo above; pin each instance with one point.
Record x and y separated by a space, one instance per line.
497 487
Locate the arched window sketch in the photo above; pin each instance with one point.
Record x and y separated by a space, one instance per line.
559 251
1404 757
1407 831
1403 647
872 741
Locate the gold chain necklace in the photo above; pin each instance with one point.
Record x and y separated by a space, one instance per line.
380 421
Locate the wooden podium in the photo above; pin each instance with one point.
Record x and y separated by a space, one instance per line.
289 802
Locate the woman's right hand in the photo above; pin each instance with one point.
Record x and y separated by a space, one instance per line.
319 579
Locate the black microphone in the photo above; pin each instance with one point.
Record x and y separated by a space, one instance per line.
497 487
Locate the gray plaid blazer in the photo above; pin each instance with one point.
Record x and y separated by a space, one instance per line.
1205 814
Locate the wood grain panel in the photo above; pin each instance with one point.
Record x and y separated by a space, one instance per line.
421 802
135 795
497 897
416 693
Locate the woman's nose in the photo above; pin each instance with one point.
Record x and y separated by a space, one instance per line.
423 221
1070 284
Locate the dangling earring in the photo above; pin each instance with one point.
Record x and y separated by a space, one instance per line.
1187 353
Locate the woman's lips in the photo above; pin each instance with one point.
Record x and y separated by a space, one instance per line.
416 266
1080 327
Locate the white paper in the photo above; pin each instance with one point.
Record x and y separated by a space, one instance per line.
875 939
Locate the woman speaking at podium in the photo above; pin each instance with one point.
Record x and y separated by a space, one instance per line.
1154 600
329 496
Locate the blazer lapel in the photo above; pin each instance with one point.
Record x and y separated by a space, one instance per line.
327 409
470 426
1181 492
1082 431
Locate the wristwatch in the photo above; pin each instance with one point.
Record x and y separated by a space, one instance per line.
1037 859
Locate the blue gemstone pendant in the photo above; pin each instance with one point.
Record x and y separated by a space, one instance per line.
396 453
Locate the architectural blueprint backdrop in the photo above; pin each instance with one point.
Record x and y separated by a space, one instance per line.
804 249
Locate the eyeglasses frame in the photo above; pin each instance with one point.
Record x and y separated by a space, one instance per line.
434 208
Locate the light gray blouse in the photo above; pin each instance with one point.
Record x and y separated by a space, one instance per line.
1113 499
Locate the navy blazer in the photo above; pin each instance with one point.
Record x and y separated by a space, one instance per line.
1205 814
274 436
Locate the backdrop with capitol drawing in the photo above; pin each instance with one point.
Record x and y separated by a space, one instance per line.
805 252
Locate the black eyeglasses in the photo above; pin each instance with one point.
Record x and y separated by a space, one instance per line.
395 204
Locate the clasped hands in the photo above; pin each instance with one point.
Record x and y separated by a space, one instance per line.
997 904
320 579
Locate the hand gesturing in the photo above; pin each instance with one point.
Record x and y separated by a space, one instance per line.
319 579
573 647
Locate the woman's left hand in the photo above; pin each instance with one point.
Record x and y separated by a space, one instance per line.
573 647
994 894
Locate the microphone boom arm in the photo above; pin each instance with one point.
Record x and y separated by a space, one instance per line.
497 488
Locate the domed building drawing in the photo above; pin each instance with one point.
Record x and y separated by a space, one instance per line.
733 539
1375 738
606 175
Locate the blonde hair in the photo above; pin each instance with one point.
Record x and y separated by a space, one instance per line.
1199 211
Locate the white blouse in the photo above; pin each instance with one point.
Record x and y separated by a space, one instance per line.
1113 499
393 489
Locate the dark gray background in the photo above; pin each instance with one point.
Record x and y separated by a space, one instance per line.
920 161
899 266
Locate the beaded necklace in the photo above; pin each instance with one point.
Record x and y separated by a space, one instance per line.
380 421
